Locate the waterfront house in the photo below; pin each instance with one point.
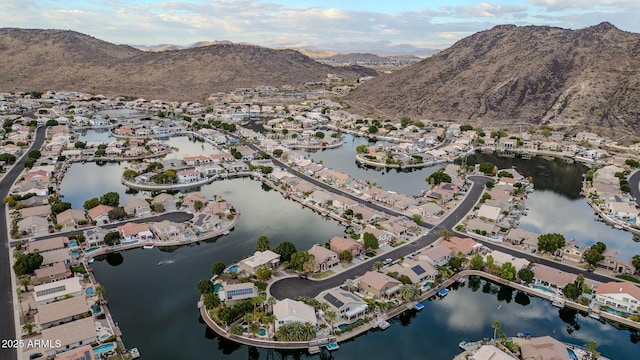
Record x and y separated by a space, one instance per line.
132 231
95 236
438 255
56 256
517 236
288 311
368 214
137 207
465 246
346 305
71 335
622 210
188 175
168 230
384 237
196 160
167 201
416 270
70 218
342 203
399 226
191 199
622 296
100 214
259 258
33 226
320 197
55 272
46 245
500 258
57 290
231 293
544 348
204 222
379 285
339 244
324 258
490 352
84 352
614 260
548 276
573 251
236 166
61 312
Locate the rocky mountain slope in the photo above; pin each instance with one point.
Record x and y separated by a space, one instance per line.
512 76
67 60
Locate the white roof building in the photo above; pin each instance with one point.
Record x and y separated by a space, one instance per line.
289 311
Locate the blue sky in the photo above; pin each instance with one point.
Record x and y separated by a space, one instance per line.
323 24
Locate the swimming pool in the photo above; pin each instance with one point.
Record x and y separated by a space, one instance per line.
91 249
262 332
73 243
544 289
104 348
572 355
75 254
216 288
89 291
344 326
233 269
96 309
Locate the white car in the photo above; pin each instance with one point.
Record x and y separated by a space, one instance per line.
387 261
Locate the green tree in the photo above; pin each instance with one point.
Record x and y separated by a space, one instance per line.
377 266
204 286
488 168
100 292
111 198
345 255
370 241
373 129
302 261
525 275
236 329
636 262
496 326
405 121
550 242
264 273
117 213
112 238
508 271
632 163
331 315
80 145
477 262
285 249
457 262
571 291
409 292
34 154
277 152
417 218
592 349
25 282
445 234
217 268
404 279
198 205
505 174
129 174
319 134
439 177
60 207
361 149
211 300
91 203
29 328
594 255
262 244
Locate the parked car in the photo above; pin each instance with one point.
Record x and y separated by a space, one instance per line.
361 258
303 276
387 261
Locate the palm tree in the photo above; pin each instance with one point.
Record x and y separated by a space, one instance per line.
446 234
20 298
25 281
409 291
377 266
324 306
236 329
308 331
271 301
100 292
332 316
270 320
496 326
350 284
28 328
591 347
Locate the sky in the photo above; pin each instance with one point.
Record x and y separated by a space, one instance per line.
320 24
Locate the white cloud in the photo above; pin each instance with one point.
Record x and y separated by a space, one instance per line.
561 5
483 9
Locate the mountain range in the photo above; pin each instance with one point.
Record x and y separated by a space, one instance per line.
516 77
70 61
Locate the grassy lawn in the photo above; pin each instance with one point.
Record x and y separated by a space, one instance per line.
323 275
628 278
395 245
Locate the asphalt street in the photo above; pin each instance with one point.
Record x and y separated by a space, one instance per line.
7 323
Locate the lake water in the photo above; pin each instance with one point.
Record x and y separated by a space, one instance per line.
155 306
95 135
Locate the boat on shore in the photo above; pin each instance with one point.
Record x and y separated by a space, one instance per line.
227 232
442 293
333 346
148 246
419 306
384 325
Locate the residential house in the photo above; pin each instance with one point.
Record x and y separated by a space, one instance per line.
188 175
399 226
259 258
33 226
384 237
56 256
320 197
234 292
95 236
55 272
61 312
70 218
548 276
84 352
70 335
430 211
366 213
490 213
490 352
379 285
138 207
544 348
204 222
133 231
168 230
500 258
288 311
324 258
339 244
622 210
100 214
58 290
573 251
167 201
623 296
417 271
346 305
342 203
614 260
190 200
46 245
466 245
42 211
438 255
517 236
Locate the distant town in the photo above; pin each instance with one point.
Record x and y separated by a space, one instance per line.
397 251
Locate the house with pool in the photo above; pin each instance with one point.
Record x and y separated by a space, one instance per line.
622 296
288 311
348 306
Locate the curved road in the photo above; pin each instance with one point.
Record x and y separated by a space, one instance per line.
7 323
293 286
634 182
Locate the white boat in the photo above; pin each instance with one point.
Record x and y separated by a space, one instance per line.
384 325
91 260
419 306
227 232
617 226
333 346
148 246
